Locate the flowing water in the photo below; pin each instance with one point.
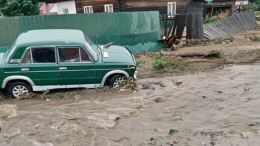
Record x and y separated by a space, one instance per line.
203 109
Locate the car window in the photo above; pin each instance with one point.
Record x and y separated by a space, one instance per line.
39 55
27 57
73 54
84 56
69 54
43 55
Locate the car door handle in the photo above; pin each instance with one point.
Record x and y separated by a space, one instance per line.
25 69
63 68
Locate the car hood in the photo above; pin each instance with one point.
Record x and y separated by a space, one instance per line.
117 54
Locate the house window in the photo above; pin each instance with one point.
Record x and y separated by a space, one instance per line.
88 9
172 8
109 8
65 11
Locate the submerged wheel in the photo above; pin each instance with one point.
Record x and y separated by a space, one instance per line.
18 88
116 81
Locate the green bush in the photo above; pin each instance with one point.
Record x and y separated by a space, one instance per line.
160 61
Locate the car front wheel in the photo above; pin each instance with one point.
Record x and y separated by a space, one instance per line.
116 81
18 88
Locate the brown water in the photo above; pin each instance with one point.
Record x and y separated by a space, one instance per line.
210 108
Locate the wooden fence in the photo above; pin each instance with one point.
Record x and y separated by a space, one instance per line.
240 22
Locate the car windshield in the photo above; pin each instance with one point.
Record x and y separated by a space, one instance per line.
9 52
92 48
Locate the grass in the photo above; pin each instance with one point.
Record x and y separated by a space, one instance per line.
178 63
161 61
219 55
254 38
33 95
227 40
213 19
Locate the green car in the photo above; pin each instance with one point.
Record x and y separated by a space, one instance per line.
48 59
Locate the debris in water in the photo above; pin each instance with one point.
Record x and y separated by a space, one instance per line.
172 131
77 97
174 141
250 123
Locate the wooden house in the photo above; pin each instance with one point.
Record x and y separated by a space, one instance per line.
163 6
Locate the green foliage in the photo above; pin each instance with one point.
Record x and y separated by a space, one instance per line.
177 63
12 7
160 61
253 6
254 38
210 20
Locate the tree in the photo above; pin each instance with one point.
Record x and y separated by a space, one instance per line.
12 7
255 1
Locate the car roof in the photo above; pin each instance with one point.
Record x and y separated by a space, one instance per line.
50 37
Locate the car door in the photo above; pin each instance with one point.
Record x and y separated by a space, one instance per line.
75 66
40 65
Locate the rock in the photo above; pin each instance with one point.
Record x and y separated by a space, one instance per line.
151 139
0 129
247 89
174 141
250 123
159 99
212 143
172 131
178 83
77 97
220 92
61 96
204 96
146 86
162 84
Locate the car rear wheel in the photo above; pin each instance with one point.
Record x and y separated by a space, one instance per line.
116 81
18 88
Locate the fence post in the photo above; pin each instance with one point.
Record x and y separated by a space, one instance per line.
195 26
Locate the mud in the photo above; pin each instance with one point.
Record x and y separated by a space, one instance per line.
203 109
240 51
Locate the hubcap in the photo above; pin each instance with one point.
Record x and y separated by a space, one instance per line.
19 90
118 82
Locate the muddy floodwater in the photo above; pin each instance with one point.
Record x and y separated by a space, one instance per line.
219 108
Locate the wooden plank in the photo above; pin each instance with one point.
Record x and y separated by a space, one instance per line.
180 26
189 26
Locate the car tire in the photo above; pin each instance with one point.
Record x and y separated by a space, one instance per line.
116 81
15 89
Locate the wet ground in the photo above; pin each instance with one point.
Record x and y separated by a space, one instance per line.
208 108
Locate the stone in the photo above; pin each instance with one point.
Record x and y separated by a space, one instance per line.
204 96
174 141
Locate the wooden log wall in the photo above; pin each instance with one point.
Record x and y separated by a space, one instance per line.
132 5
